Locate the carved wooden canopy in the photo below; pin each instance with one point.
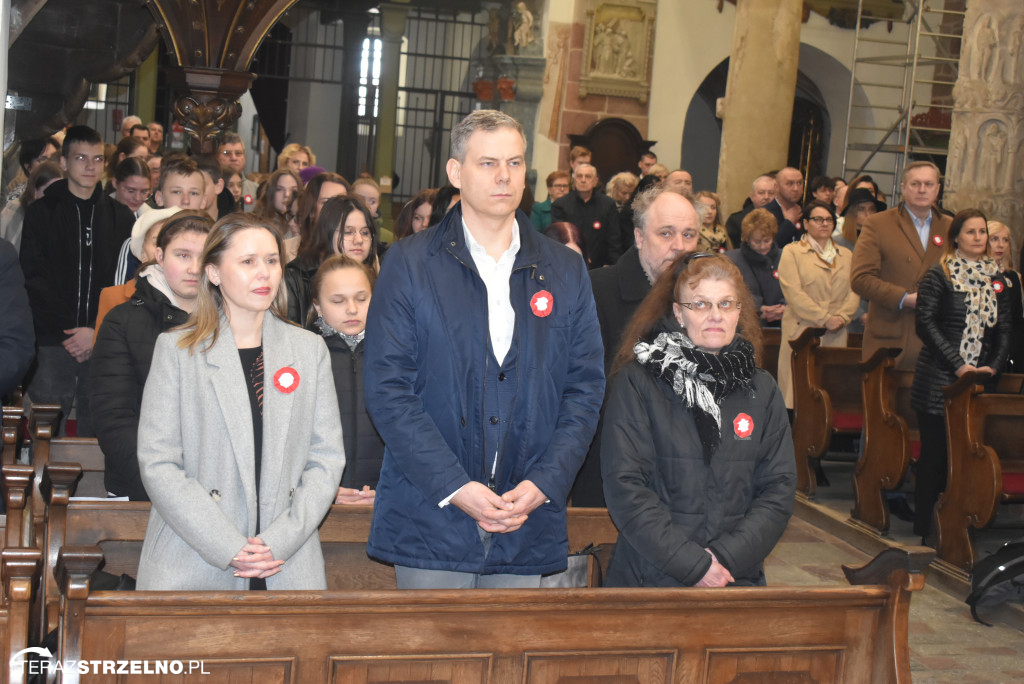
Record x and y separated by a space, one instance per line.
213 41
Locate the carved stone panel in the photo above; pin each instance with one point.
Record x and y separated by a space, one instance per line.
617 54
985 167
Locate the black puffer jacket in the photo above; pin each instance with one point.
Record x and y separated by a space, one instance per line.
669 506
120 366
940 318
297 279
761 274
364 449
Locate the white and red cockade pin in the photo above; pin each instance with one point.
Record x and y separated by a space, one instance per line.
286 380
937 239
247 199
743 425
997 285
775 274
597 225
542 303
721 250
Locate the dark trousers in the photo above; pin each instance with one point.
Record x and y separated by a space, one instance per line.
59 379
931 470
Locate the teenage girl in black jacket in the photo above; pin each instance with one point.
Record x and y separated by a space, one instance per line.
341 291
165 294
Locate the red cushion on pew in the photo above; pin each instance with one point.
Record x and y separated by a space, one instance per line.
1013 483
915 451
847 421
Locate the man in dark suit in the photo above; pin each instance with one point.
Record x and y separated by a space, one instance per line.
594 214
666 226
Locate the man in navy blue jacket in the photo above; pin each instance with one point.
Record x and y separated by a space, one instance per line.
484 374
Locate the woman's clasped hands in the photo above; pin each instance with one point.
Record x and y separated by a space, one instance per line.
256 560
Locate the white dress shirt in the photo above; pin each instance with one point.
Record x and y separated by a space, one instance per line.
501 317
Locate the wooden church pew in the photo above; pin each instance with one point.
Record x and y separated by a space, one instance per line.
119 527
986 462
838 634
826 401
891 439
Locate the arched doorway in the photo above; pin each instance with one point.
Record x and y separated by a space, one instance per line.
819 114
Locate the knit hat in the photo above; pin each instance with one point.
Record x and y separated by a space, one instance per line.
144 223
306 174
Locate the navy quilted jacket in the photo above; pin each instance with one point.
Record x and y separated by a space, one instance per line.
424 379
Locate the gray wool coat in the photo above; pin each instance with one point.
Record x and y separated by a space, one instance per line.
196 458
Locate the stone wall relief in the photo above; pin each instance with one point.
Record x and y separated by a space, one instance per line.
959 156
985 167
984 60
618 47
1014 64
991 155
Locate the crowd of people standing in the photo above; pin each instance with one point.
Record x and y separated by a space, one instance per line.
602 347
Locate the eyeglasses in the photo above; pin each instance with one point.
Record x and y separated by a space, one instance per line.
704 306
821 220
560 186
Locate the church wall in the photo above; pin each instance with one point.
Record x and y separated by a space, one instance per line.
692 38
562 111
314 108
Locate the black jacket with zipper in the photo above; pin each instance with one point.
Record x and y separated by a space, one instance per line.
52 245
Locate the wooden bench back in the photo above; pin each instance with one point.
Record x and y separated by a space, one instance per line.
984 434
119 527
840 634
47 447
890 434
826 382
12 416
19 575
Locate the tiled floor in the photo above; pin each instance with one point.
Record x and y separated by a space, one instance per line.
946 644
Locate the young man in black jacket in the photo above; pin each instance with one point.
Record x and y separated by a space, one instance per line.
69 251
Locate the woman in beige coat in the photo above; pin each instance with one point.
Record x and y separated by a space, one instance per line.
815 278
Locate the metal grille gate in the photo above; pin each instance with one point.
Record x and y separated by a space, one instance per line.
434 93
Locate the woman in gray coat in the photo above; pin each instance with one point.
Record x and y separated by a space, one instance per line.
696 451
240 446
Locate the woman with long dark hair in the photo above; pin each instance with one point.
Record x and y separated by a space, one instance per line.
415 215
243 450
344 227
696 451
963 319
275 204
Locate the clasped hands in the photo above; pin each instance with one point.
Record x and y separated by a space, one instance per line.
256 560
499 514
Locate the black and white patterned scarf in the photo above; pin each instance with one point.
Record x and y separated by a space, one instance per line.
700 379
974 279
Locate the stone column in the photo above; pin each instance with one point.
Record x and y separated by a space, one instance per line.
985 167
392 28
355 23
757 109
